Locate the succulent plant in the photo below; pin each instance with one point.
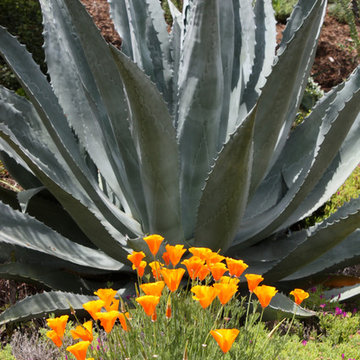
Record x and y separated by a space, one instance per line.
186 133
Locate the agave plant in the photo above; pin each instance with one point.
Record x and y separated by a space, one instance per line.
186 133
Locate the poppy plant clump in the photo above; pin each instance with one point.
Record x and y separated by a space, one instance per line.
213 281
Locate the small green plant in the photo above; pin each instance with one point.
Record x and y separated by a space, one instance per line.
344 11
6 353
283 9
23 19
339 326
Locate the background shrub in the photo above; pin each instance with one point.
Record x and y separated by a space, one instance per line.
22 18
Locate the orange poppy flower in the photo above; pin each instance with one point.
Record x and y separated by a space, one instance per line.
136 257
154 241
175 253
217 270
166 258
106 295
193 265
213 258
93 307
79 349
204 294
113 306
155 268
299 295
148 303
226 291
265 294
168 308
58 324
200 252
236 267
56 339
229 280
253 281
123 321
172 277
203 272
154 288
107 319
154 316
83 332
140 269
225 338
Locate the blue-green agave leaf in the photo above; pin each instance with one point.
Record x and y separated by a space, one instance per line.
114 124
45 276
318 240
226 190
21 230
265 43
281 90
146 42
157 148
73 83
244 53
28 139
199 111
281 306
40 305
303 175
342 294
346 253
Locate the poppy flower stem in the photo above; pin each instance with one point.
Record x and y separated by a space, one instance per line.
257 333
215 322
247 311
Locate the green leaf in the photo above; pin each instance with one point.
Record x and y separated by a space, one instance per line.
342 294
19 229
319 239
281 306
280 92
40 305
199 110
157 149
45 276
305 169
226 191
109 106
